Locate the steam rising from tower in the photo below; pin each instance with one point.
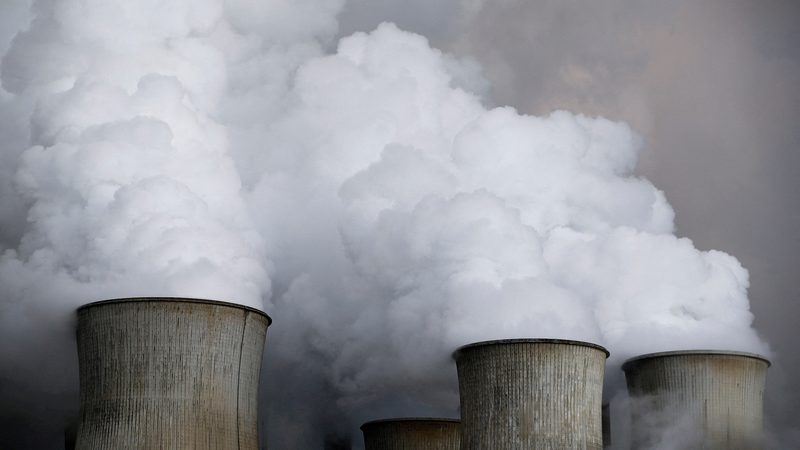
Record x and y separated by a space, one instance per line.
367 197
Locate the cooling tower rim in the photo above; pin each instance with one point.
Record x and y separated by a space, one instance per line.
177 300
410 419
632 361
530 341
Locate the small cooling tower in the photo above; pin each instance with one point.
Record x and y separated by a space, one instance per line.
697 399
531 394
169 373
414 433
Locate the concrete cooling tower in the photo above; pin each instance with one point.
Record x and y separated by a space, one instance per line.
531 394
697 399
169 373
414 433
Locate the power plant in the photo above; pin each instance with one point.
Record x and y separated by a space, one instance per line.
712 399
169 373
412 433
531 393
182 373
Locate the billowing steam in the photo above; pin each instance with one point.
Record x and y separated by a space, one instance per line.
365 198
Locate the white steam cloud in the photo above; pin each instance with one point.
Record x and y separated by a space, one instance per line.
128 178
366 199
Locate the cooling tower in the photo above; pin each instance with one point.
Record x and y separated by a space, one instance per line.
414 433
697 399
169 373
531 394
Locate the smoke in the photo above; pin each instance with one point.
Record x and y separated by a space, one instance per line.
711 87
665 426
364 195
123 176
451 223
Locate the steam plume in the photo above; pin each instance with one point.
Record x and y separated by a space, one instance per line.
365 198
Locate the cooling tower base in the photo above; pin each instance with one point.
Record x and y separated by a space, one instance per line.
697 399
531 393
169 373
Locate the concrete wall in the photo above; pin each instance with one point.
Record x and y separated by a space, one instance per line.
160 373
697 399
412 434
531 394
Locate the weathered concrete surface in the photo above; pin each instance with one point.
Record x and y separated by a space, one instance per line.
165 373
413 433
531 394
697 399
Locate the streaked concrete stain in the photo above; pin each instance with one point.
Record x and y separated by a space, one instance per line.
531 394
166 373
412 433
717 395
